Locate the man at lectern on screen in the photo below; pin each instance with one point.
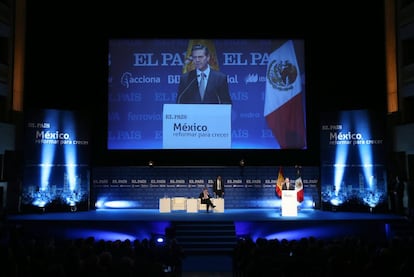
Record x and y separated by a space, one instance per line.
202 84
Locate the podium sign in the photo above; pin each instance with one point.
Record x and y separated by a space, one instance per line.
196 126
289 203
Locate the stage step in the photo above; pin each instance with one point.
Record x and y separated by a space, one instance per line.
206 237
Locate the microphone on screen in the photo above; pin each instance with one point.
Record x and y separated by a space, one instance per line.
218 98
186 89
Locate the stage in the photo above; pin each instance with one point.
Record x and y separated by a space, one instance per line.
139 224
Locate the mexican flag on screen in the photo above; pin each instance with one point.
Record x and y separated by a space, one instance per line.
284 107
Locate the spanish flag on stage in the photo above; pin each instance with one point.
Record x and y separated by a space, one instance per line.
279 182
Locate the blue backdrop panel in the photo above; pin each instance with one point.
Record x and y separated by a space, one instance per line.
56 161
353 167
245 187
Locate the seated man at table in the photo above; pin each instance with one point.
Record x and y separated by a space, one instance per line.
206 198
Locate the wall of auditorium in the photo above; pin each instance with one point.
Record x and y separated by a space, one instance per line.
245 187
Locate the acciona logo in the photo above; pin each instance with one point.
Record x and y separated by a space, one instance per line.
127 79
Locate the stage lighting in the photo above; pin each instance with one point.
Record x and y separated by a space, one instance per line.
73 207
159 240
150 163
244 238
241 162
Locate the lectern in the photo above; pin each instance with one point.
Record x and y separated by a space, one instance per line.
289 203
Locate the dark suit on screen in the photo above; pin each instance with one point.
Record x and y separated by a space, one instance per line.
216 92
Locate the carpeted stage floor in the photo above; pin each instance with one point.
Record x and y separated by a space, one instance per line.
227 215
141 223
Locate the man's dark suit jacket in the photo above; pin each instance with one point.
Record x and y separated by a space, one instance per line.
218 192
217 89
291 186
204 201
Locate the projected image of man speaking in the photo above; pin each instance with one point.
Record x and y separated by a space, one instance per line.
202 84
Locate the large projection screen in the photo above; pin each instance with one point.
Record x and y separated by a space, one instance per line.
266 83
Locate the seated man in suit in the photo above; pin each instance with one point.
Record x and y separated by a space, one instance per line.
287 185
206 198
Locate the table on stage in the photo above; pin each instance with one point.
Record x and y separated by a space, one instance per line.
219 203
192 205
165 205
178 203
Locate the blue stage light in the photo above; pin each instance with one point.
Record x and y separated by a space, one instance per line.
159 240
